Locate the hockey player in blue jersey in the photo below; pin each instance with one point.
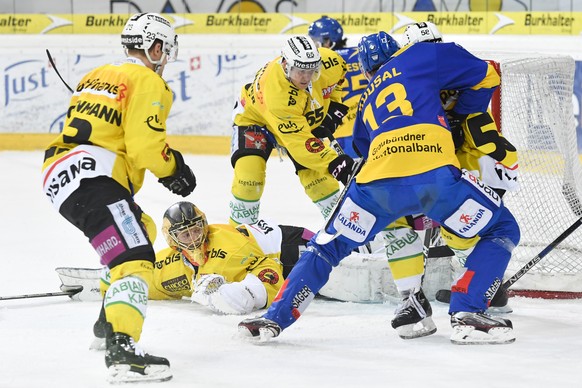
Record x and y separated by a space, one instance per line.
400 241
405 137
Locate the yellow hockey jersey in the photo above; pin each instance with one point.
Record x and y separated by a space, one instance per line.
273 102
232 252
120 107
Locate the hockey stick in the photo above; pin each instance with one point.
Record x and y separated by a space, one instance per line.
323 237
52 62
444 296
542 254
71 290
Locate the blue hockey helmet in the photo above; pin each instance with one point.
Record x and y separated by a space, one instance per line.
326 31
376 49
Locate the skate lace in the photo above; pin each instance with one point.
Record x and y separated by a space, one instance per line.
410 305
137 350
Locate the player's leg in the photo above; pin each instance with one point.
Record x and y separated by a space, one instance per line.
404 251
468 208
356 221
293 243
249 154
111 220
320 187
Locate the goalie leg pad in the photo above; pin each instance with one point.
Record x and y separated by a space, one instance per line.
86 277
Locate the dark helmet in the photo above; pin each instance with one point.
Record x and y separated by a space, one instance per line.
185 228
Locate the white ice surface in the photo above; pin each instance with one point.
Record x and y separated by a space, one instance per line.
44 342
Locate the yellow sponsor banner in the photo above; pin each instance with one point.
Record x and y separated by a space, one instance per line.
62 24
500 23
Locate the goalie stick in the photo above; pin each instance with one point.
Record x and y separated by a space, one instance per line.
69 291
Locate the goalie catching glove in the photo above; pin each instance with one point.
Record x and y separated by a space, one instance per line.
341 168
183 181
242 297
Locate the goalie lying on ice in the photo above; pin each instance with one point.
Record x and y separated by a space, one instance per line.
231 270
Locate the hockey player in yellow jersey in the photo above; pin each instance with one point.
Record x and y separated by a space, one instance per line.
293 102
230 270
115 130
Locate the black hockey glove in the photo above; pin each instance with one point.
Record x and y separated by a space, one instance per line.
335 115
456 121
183 181
322 132
341 168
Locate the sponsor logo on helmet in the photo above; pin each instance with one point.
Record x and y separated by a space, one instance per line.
306 65
131 39
158 19
293 47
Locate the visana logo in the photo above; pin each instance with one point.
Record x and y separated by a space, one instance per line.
67 175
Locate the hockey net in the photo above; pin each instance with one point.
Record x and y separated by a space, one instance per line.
535 113
534 109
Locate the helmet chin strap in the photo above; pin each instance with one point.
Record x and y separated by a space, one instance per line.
157 64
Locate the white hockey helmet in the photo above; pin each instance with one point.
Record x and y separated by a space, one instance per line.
422 32
143 29
301 56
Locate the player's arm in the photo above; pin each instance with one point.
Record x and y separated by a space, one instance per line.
145 139
474 78
293 131
481 134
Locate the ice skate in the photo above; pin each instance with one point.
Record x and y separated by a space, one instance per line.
480 328
260 328
413 317
128 363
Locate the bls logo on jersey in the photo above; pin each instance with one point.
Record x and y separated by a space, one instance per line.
330 63
213 253
24 80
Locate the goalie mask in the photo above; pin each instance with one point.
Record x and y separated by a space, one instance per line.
422 32
185 229
302 61
143 29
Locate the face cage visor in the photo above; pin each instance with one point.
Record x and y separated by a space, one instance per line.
188 237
